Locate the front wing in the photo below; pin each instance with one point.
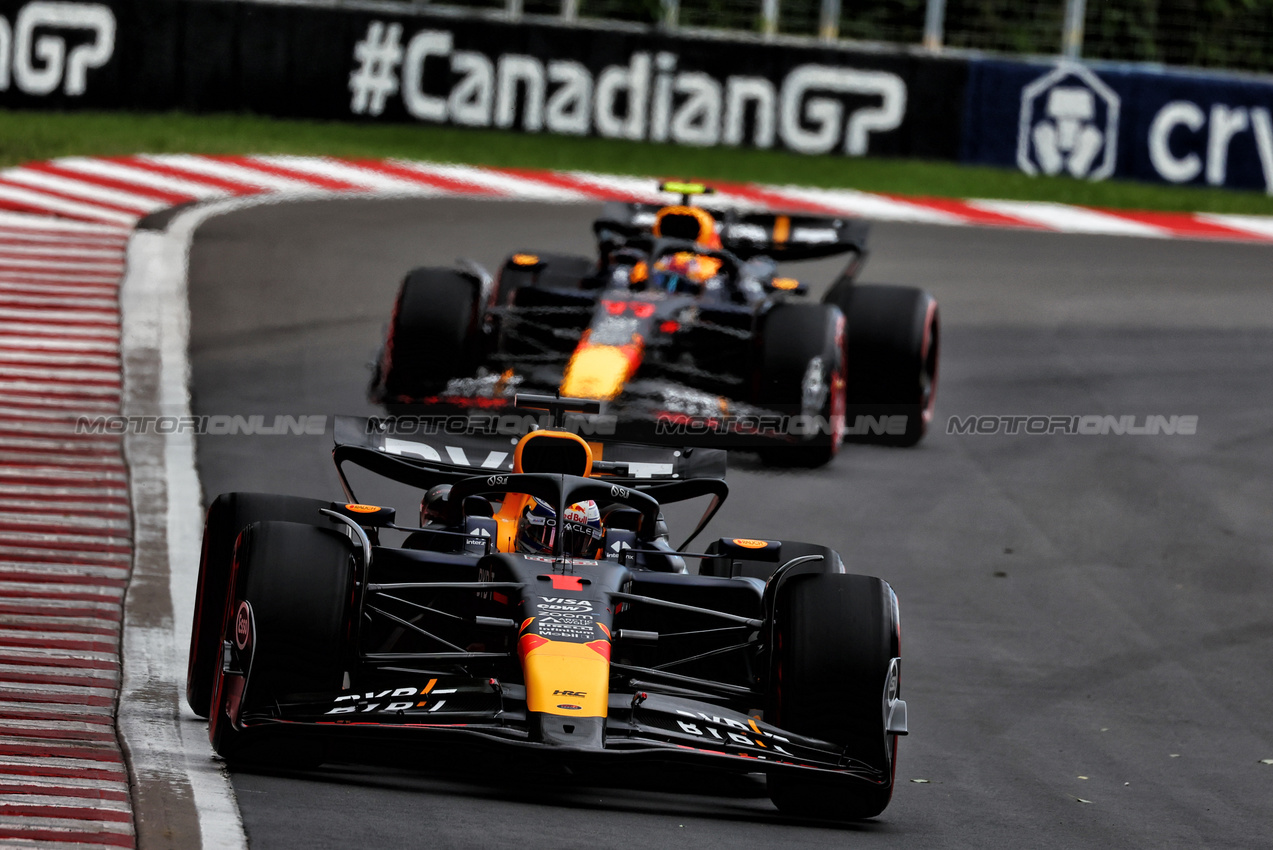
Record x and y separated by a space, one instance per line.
640 727
648 410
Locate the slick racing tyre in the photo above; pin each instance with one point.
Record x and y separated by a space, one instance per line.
434 335
297 582
228 515
892 355
835 637
802 374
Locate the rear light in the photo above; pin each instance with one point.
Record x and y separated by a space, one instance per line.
669 327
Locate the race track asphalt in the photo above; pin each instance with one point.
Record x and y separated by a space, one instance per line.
1087 620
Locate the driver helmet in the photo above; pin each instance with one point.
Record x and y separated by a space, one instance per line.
436 507
581 529
684 272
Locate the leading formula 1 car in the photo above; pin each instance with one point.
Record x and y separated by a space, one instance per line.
311 627
684 326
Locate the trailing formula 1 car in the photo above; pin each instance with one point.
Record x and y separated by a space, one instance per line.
540 607
683 325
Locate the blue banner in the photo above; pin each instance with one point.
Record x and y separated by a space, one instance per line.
1094 123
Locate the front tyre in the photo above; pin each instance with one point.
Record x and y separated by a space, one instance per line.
833 675
892 356
228 515
297 582
434 336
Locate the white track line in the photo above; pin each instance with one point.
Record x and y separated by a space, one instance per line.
21 264
54 251
69 290
62 206
1068 219
516 188
24 222
639 188
27 343
67 277
83 189
12 353
331 169
250 178
867 205
156 318
126 173
20 327
1258 225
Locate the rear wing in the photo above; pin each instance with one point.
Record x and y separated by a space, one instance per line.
412 451
783 237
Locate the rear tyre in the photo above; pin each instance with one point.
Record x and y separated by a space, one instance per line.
835 638
892 356
802 372
228 515
433 336
297 580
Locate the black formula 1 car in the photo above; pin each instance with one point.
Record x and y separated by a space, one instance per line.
311 629
684 326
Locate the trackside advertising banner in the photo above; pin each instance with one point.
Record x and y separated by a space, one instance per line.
303 61
1130 123
310 62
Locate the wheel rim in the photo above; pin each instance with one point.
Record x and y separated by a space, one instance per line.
824 391
928 357
839 389
823 397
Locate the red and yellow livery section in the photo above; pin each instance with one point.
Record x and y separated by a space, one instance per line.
601 371
570 679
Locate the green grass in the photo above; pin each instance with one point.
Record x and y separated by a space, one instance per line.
27 136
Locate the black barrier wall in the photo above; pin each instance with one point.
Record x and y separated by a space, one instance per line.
306 62
299 61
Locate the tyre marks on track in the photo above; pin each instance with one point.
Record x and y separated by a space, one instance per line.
65 533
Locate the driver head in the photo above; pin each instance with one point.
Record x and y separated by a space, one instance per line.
580 529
